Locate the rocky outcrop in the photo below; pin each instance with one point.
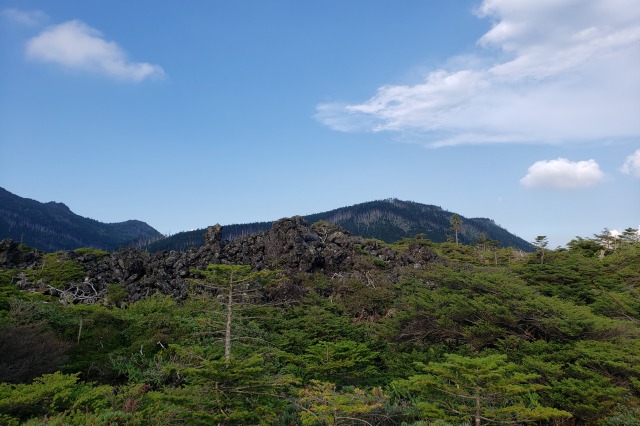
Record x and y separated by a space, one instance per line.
291 246
388 220
15 256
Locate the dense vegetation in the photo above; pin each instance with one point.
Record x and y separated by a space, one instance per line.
482 336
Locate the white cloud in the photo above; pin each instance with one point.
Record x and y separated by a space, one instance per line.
549 71
631 165
615 233
333 116
76 45
27 18
562 174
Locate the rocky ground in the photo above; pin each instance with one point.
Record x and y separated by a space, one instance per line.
292 246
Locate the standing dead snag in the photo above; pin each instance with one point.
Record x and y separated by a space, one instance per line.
456 224
234 286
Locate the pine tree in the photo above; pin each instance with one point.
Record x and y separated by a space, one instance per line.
541 243
233 286
486 389
456 224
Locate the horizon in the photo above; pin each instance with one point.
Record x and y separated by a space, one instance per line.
183 116
612 232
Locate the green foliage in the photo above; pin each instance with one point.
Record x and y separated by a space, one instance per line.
247 391
623 415
379 262
585 247
365 299
344 362
322 404
91 252
116 294
57 272
313 321
8 291
7 277
489 388
51 393
535 342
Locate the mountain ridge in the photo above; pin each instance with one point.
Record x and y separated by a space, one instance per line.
52 226
388 220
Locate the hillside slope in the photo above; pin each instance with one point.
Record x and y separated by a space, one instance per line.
387 220
288 325
53 226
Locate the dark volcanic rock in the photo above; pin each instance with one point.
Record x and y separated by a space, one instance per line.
13 257
291 246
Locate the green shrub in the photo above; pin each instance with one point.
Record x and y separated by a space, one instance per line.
57 272
116 294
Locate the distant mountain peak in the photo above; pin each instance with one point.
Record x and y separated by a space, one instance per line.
52 226
388 220
60 206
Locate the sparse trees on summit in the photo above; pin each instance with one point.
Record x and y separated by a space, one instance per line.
631 235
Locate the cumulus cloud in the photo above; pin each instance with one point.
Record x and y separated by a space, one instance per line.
27 18
77 46
631 165
562 174
547 72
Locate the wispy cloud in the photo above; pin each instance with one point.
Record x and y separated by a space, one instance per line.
631 165
77 46
562 174
27 18
558 71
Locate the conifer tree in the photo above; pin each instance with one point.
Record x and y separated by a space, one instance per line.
233 285
487 389
456 223
541 243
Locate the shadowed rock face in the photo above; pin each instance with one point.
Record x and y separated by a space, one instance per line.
291 246
13 257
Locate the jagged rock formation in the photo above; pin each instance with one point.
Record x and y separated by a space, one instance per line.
12 256
291 246
387 220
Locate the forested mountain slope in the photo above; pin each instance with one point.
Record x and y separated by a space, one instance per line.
387 220
52 226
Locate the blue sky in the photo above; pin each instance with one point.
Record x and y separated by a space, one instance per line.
187 114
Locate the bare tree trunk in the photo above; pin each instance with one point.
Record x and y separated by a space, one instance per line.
80 330
477 416
227 335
